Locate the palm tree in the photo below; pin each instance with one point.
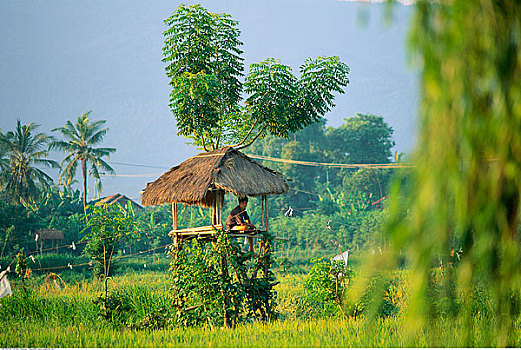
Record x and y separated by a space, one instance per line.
4 161
22 149
80 139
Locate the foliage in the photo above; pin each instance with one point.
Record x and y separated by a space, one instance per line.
314 187
21 180
80 139
16 223
151 226
204 64
384 295
279 103
62 209
21 268
466 184
218 283
325 286
106 227
56 208
49 317
362 139
326 232
371 182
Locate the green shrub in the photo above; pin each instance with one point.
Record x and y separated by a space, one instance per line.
106 227
325 286
218 283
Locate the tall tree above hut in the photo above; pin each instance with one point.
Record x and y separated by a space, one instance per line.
203 61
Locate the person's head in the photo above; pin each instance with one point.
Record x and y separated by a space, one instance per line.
243 202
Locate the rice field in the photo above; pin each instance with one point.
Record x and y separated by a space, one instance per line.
47 317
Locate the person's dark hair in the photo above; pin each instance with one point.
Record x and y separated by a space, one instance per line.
243 199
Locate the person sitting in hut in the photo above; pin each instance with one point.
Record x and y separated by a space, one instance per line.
238 218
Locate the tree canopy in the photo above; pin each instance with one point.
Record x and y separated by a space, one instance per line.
364 138
204 64
24 150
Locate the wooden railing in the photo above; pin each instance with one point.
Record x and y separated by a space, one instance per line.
210 230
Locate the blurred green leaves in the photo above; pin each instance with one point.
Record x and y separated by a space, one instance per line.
465 189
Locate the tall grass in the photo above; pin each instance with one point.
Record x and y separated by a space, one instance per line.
46 317
293 333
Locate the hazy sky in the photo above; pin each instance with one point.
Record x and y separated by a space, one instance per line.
62 58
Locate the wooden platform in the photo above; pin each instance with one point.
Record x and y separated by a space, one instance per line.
210 230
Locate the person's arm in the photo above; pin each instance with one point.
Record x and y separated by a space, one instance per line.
247 222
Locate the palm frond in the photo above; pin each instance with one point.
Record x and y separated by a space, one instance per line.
97 137
63 146
102 151
69 171
104 165
47 162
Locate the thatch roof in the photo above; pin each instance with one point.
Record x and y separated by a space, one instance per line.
46 234
119 198
196 180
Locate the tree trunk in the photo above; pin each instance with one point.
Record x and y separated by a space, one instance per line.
84 174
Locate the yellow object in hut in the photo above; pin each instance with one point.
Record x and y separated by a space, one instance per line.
239 228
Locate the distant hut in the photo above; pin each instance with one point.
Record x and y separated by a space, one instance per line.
119 198
204 180
48 235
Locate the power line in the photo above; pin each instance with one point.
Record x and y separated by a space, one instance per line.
130 175
273 159
141 165
333 165
70 266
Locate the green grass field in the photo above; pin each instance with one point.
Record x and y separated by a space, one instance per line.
47 317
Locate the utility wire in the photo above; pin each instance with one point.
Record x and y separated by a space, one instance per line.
333 165
141 165
272 159
70 266
130 175
46 249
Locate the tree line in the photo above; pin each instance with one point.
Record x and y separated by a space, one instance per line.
23 150
29 197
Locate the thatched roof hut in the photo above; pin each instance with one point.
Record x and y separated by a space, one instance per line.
119 198
49 234
198 179
46 235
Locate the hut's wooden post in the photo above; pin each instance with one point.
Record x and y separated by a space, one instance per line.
263 210
265 244
217 208
174 216
265 213
217 220
174 220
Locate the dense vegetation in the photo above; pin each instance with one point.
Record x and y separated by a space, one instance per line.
142 315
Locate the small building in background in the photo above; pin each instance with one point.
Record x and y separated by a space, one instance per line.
46 237
118 198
